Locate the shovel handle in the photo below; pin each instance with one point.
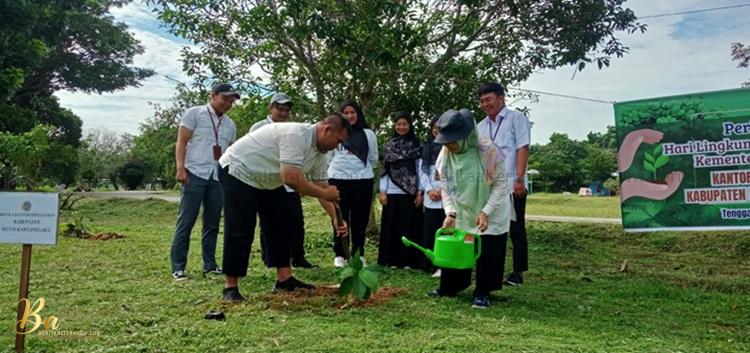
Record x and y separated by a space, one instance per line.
344 240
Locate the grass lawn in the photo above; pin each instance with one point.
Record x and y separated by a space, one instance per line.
685 292
573 205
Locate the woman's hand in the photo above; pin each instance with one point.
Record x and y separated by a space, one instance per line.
482 221
449 222
383 198
434 195
341 229
418 200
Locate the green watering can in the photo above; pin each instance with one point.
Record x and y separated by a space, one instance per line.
454 248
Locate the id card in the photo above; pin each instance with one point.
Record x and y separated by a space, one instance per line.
217 152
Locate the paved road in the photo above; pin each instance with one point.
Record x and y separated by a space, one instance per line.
142 195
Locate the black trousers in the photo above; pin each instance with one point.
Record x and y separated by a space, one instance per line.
356 202
490 268
296 224
433 220
242 203
518 235
400 218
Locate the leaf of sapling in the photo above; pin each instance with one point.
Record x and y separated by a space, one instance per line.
346 286
648 166
359 288
368 292
355 261
661 161
649 157
370 279
347 272
374 268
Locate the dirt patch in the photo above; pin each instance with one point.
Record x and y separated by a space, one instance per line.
327 296
106 236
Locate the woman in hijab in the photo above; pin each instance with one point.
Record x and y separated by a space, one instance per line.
476 199
433 204
400 195
351 170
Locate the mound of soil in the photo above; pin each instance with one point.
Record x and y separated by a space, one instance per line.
327 296
106 236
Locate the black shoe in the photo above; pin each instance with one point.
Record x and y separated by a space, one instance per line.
437 293
213 271
291 284
481 302
514 279
232 295
179 276
302 263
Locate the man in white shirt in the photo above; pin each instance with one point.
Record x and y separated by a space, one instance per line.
254 171
278 112
510 130
205 131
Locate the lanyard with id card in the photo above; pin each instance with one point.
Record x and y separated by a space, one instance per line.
216 147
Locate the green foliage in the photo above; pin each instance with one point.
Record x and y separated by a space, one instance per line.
613 185
77 229
132 173
391 56
21 156
652 161
48 46
357 279
676 110
102 152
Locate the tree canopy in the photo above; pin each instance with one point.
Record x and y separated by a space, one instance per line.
47 46
423 56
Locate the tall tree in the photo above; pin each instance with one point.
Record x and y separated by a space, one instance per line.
48 45
422 55
741 54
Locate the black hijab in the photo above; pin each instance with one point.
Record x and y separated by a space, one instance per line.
357 142
399 157
430 150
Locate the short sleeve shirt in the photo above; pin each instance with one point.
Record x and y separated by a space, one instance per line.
257 157
510 131
199 154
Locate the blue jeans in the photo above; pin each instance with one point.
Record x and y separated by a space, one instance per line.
210 194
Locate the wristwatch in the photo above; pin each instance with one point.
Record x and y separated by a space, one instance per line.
452 215
519 180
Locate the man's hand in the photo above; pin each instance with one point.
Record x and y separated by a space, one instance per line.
519 189
449 222
331 194
418 199
341 230
182 176
434 195
482 221
383 198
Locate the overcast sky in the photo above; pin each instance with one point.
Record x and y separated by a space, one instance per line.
678 54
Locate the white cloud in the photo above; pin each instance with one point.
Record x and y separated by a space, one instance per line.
675 56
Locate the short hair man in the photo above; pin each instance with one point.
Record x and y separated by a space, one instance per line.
510 130
253 173
204 133
278 112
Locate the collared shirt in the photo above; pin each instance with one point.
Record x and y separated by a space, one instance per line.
429 183
513 132
256 158
345 165
199 154
260 124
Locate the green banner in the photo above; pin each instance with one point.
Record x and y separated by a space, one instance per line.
684 161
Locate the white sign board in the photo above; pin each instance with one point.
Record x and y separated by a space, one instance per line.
28 218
